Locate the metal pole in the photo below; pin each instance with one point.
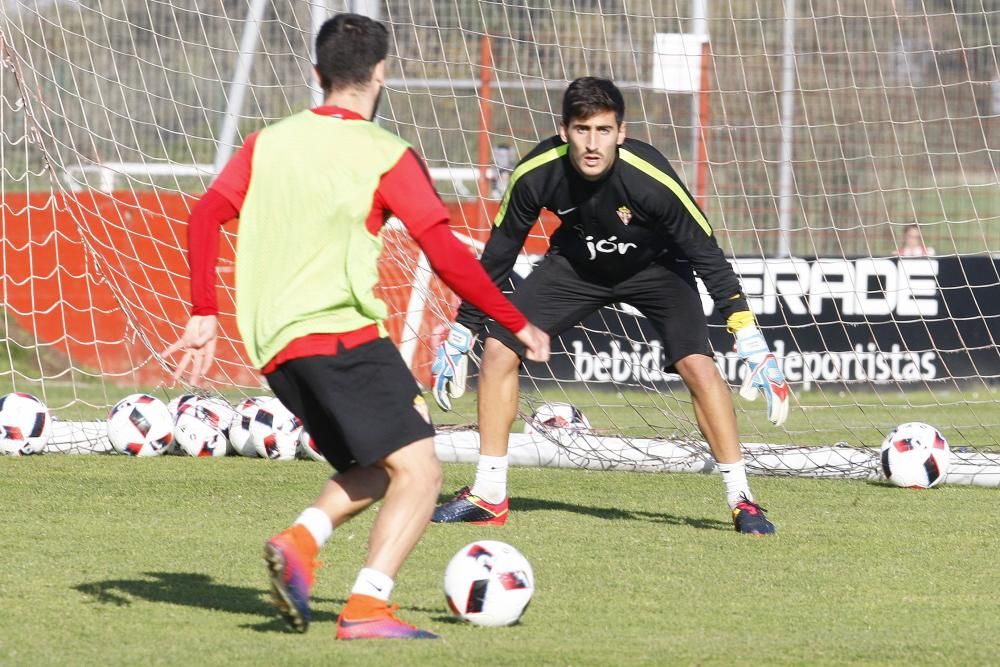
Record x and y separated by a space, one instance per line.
319 11
241 81
699 26
369 8
485 154
785 183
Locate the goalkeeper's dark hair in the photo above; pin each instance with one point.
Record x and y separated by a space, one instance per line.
348 46
591 95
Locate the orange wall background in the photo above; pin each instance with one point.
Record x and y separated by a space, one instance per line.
103 279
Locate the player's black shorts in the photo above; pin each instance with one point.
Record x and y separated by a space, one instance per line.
555 296
359 405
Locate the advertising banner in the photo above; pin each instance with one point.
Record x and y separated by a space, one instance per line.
879 320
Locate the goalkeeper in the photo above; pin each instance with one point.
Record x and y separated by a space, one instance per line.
630 233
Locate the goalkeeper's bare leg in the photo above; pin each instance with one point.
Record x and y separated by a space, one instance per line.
716 417
485 503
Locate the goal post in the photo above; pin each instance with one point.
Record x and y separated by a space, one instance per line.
813 135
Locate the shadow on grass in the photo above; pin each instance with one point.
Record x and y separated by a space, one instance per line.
609 513
192 589
617 514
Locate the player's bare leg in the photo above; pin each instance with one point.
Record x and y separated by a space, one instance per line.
291 554
486 502
498 395
414 480
414 476
347 493
716 417
713 406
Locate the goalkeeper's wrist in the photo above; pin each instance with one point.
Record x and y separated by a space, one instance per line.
746 333
460 337
751 345
741 321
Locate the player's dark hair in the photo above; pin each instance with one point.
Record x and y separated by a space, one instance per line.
348 46
590 95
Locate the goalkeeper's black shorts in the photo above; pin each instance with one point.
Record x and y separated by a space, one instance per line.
556 296
359 405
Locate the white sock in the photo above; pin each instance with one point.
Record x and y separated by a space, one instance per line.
317 523
734 477
374 583
491 478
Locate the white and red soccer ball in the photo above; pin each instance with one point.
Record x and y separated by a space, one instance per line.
915 455
177 404
201 425
489 583
239 426
274 431
307 448
25 424
198 437
557 419
140 425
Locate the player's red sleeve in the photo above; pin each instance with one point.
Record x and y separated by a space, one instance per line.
460 271
220 204
234 179
407 191
208 215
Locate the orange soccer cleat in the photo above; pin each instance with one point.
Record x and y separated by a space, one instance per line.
366 617
291 563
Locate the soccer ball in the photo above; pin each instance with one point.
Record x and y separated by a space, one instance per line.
215 412
239 425
176 405
25 425
273 431
307 447
915 455
556 417
489 583
197 436
140 425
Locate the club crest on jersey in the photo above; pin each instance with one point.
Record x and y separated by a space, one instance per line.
624 214
420 405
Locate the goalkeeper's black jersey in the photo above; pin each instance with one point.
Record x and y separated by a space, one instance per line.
639 213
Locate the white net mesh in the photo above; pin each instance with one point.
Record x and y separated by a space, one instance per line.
812 133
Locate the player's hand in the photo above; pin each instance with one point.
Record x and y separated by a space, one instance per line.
536 343
763 373
198 344
451 365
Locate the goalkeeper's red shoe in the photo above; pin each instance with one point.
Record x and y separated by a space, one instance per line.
365 617
750 518
467 507
291 564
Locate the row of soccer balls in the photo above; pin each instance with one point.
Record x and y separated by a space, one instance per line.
143 425
912 454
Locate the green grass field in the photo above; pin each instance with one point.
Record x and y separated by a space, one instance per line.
117 561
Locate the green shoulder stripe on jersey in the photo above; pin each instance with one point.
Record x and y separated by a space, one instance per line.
675 187
524 168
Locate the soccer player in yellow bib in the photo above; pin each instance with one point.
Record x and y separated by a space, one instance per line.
312 193
630 233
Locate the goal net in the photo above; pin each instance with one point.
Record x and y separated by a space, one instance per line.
813 134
